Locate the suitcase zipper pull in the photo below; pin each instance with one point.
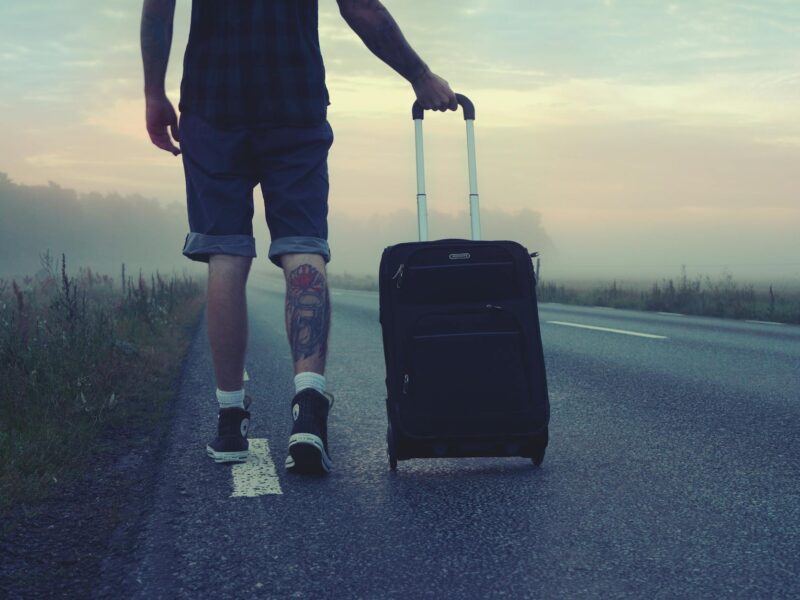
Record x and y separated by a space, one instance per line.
405 383
398 277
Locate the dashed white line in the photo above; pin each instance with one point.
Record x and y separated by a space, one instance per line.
256 477
671 314
610 330
763 322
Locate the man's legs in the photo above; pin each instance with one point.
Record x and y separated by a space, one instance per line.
227 318
293 172
308 317
227 336
219 192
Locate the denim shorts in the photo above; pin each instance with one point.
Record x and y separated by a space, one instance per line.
223 166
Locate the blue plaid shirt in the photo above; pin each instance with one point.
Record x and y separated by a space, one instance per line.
254 62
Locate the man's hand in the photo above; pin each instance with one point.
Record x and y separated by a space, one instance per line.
160 115
379 31
434 93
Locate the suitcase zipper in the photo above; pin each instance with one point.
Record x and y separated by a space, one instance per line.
398 276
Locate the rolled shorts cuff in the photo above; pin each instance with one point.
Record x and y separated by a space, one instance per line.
298 244
200 246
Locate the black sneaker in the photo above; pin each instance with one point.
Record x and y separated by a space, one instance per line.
231 444
308 444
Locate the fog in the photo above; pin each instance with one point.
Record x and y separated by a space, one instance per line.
94 230
102 231
357 243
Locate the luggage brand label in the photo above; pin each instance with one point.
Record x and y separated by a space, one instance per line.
460 256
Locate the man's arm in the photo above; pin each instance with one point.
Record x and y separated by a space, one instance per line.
156 38
381 34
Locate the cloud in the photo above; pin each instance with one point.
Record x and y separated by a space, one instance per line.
87 63
715 101
780 140
49 160
475 9
123 117
115 13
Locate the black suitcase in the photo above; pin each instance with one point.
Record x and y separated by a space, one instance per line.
464 364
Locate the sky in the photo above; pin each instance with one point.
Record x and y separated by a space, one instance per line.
646 135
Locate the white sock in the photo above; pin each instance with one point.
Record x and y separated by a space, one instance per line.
230 399
308 379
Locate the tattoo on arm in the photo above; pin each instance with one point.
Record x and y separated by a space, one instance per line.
379 31
307 312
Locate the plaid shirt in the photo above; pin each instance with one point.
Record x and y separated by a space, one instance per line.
254 62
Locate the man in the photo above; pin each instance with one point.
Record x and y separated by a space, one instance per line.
254 111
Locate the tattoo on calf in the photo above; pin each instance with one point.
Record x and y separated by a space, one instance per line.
307 312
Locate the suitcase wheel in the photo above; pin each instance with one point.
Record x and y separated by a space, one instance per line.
391 448
538 457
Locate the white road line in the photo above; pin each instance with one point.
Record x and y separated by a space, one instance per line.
764 322
671 314
256 477
622 331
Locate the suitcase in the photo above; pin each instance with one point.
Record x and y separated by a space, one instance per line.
465 371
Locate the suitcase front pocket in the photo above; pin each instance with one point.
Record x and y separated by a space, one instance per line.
466 376
445 284
452 273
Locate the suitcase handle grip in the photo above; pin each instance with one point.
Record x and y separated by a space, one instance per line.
417 112
422 198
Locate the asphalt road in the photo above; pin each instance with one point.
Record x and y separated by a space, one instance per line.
673 472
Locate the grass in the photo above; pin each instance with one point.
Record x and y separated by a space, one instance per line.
721 297
79 355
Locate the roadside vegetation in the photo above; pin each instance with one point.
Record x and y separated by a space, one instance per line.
80 355
722 297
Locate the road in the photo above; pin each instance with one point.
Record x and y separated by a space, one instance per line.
672 472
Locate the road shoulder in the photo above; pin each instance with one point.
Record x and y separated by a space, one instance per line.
77 542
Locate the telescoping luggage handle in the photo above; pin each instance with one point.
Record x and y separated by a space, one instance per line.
418 114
